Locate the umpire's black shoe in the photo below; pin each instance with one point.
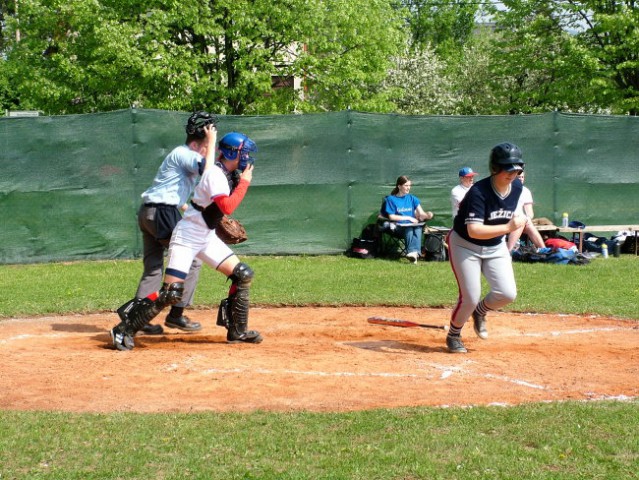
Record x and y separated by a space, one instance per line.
183 323
149 329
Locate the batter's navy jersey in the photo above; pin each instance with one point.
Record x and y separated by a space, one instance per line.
482 204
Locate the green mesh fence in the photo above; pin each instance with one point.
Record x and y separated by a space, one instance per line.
71 185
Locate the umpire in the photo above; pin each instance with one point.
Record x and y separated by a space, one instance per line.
160 211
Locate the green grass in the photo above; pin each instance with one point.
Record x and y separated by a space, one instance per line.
547 441
604 287
569 440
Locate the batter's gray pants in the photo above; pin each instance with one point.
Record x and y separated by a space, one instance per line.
469 262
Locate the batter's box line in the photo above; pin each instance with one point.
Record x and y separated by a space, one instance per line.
445 374
447 371
30 336
558 333
315 373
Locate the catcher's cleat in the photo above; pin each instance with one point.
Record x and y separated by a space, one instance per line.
121 340
250 336
455 344
479 325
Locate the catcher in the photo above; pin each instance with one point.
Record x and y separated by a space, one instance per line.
222 188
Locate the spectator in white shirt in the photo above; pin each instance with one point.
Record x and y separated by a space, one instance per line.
457 194
525 207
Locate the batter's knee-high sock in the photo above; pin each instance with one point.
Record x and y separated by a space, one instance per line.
481 309
454 331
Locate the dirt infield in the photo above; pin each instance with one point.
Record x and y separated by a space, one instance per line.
315 359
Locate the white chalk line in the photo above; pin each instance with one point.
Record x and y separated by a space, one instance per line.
312 373
558 333
29 336
447 371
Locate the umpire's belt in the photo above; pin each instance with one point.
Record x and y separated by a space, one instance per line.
156 205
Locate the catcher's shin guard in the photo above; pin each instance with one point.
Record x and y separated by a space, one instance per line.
136 313
224 312
236 312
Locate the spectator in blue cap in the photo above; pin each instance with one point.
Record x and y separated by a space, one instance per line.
466 180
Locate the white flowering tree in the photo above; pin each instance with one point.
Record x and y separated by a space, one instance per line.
420 84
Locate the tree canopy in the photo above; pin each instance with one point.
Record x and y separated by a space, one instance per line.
284 56
74 56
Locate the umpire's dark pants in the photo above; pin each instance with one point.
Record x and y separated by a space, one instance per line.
153 259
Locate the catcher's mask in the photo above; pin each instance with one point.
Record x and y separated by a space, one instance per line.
197 121
233 144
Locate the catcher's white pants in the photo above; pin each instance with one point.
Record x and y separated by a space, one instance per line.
190 240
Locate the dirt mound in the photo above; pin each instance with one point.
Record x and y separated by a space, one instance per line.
316 359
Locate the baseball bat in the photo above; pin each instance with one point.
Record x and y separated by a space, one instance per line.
397 322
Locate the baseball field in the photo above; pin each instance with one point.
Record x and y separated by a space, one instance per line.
552 393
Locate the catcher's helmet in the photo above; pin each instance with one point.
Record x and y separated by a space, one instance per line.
506 156
233 144
197 121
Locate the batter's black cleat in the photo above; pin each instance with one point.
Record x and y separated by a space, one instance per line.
183 323
121 340
149 329
479 324
455 344
250 336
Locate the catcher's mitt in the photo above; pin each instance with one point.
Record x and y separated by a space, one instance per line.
230 231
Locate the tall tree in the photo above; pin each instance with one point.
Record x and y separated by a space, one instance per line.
445 25
78 56
572 55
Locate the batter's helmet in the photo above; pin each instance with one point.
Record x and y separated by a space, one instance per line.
233 144
506 156
197 121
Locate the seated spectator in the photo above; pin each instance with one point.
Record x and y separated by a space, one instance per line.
406 211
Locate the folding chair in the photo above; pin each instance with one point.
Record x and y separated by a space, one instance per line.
391 239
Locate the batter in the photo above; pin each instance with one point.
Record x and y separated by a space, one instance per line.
476 244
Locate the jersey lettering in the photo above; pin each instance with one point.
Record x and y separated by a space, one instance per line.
499 214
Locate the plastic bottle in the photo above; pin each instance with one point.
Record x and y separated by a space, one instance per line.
604 250
564 220
617 250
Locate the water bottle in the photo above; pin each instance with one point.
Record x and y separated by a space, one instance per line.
604 250
564 220
617 250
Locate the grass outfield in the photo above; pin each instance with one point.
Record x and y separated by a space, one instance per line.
604 287
571 440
